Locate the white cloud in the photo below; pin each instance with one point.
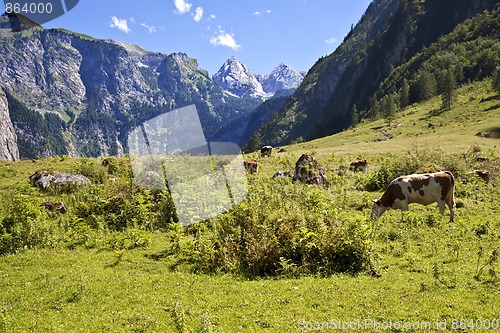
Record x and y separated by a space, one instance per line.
225 39
182 6
263 12
132 20
198 14
212 16
121 24
151 29
331 40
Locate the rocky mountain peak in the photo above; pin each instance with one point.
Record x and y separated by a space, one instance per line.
237 79
281 78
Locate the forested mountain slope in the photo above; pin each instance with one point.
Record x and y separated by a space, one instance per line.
390 33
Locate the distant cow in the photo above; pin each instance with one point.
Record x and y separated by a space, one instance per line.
423 189
281 174
266 151
483 174
360 165
252 166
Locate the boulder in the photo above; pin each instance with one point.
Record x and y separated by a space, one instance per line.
45 179
309 171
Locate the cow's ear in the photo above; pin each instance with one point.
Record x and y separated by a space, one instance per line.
377 201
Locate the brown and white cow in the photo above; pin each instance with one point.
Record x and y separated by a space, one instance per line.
266 151
423 189
360 165
252 166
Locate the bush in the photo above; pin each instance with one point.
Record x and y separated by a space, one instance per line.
416 162
23 226
277 231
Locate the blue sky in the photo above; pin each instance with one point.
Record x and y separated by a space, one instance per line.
262 34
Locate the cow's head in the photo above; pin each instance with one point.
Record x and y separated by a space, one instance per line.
377 209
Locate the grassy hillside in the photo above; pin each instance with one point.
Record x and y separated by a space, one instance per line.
291 257
424 126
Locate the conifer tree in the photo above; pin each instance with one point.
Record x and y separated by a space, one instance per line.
354 116
495 83
449 86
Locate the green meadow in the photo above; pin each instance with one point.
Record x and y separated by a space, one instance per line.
289 258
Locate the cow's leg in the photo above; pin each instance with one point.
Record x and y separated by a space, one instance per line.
442 207
451 206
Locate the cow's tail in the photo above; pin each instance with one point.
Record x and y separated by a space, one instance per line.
452 178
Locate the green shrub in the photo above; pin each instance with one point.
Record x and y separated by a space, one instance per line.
23 225
283 230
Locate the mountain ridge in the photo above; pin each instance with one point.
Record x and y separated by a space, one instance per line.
99 89
389 34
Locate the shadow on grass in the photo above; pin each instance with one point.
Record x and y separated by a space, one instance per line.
495 131
491 98
491 108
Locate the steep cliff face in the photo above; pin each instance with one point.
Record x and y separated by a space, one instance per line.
8 138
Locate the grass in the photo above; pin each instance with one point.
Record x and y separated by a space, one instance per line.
476 110
149 277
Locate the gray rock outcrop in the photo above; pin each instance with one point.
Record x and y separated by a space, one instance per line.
8 139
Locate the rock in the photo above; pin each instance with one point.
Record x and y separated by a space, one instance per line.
309 171
8 139
484 134
45 179
483 174
54 206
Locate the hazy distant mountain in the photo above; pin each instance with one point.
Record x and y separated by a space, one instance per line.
240 130
282 77
235 78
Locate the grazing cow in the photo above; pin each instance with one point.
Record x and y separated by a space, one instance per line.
282 174
309 171
266 151
360 165
483 174
423 189
252 166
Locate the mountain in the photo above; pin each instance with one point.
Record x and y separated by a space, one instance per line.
282 77
73 94
235 78
389 34
241 129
